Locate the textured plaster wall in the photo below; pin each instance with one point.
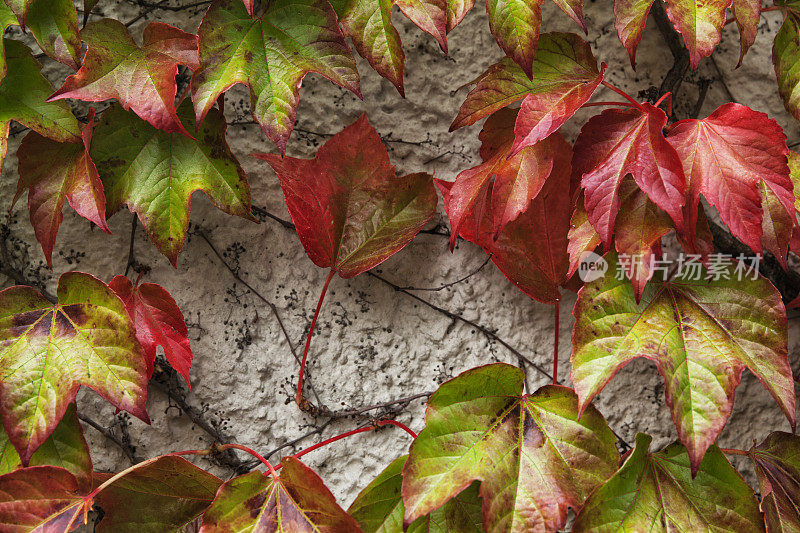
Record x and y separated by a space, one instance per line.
372 343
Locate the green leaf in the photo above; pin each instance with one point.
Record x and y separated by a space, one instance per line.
297 502
23 92
164 495
656 492
271 55
7 18
531 453
777 462
19 7
379 507
65 448
54 24
786 59
515 25
565 75
47 352
154 172
701 332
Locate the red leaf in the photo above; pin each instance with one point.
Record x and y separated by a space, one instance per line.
141 78
728 158
700 22
531 250
517 179
248 4
41 499
747 14
351 210
618 142
158 321
429 15
53 172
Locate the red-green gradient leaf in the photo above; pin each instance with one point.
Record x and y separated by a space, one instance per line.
54 24
726 157
163 495
656 492
271 55
155 173
351 210
618 142
515 25
531 453
630 17
158 322
298 502
65 448
747 14
700 22
248 4
379 507
47 352
52 172
22 98
564 76
141 78
369 24
574 9
582 236
640 226
530 250
701 333
777 462
41 499
428 15
456 11
786 59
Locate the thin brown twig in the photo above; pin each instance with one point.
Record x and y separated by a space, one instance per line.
126 447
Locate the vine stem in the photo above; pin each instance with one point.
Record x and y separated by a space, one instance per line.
623 94
733 451
555 342
252 452
299 397
596 104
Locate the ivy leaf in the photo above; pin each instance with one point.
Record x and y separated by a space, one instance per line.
777 462
52 172
515 25
140 78
369 24
88 6
618 142
41 499
7 18
20 8
271 55
23 92
727 157
574 9
456 11
531 453
351 210
163 495
517 179
747 14
158 321
700 22
582 236
155 173
48 351
658 492
785 56
565 75
379 507
248 4
296 501
54 24
65 448
531 249
630 17
694 329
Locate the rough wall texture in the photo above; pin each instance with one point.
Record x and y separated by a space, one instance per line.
374 344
